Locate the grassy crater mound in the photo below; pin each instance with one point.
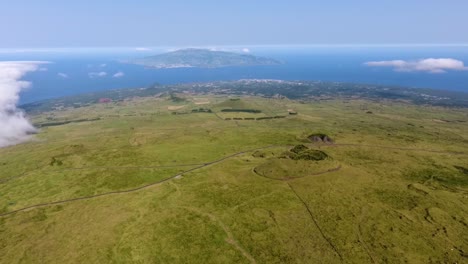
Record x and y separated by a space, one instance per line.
301 152
298 162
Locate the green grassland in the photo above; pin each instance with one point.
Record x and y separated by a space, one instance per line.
147 180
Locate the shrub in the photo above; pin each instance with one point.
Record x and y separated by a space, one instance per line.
299 148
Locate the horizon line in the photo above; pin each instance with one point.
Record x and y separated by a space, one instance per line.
32 49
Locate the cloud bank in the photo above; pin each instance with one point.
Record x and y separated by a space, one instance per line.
118 74
430 65
142 49
14 127
97 74
62 75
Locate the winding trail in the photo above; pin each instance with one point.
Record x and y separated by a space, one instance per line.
134 189
289 178
26 173
198 166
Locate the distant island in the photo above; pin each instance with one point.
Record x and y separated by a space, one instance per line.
202 58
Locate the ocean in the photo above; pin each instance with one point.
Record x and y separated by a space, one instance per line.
74 71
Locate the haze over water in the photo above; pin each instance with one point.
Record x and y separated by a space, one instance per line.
74 71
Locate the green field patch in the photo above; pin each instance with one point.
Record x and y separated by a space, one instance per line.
398 199
236 103
399 196
49 184
438 177
240 115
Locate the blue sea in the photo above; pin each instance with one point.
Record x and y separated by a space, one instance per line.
335 63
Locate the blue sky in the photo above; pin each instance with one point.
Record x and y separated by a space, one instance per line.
125 23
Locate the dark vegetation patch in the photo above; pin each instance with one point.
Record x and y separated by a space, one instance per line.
67 151
201 110
55 162
255 111
301 152
462 169
269 117
176 99
300 161
299 148
320 138
259 154
236 104
59 123
439 176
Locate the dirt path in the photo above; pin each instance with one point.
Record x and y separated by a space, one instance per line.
200 167
134 189
230 237
316 223
361 239
100 167
289 178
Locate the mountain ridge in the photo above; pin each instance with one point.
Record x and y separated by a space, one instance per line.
202 58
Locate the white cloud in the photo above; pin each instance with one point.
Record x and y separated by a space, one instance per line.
62 75
142 49
246 50
14 127
430 65
97 74
118 74
103 65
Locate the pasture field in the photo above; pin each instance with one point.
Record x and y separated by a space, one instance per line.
147 180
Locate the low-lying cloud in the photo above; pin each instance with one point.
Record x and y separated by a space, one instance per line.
14 127
430 65
62 75
118 74
142 49
97 74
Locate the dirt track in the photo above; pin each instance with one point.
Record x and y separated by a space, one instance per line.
134 189
309 211
288 178
208 164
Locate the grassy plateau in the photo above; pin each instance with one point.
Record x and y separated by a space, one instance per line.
157 180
